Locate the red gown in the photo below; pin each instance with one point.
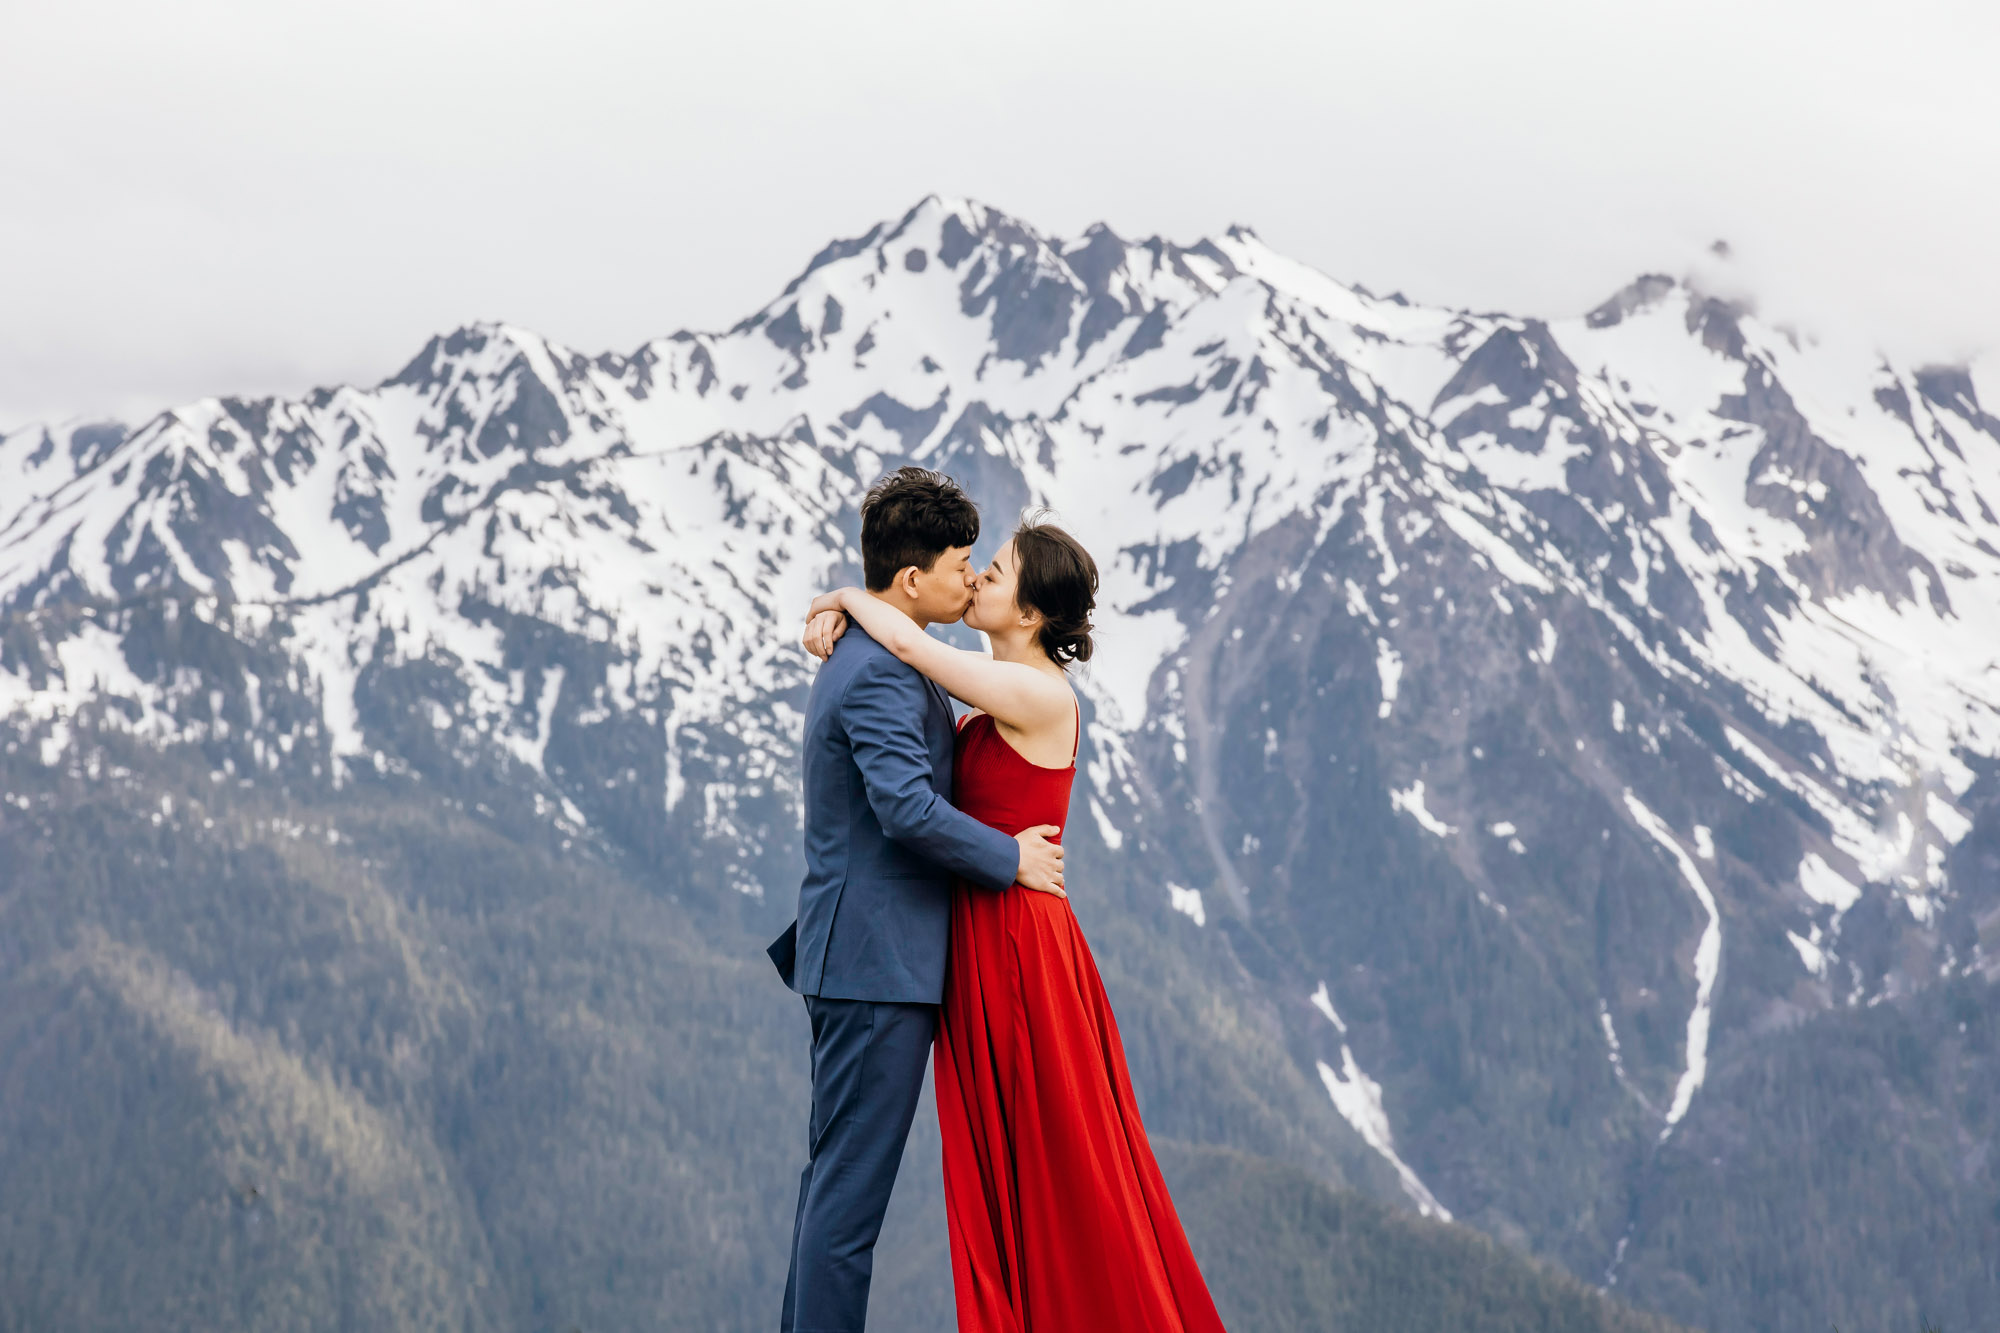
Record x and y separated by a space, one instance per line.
1059 1219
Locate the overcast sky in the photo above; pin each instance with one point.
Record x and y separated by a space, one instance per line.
218 196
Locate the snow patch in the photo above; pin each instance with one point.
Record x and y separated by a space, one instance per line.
1113 837
1611 1038
529 749
1323 1002
1544 653
1827 886
1411 802
1810 952
1188 903
1946 818
1707 963
1389 666
1358 1098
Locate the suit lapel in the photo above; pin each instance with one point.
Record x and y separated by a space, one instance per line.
943 746
943 704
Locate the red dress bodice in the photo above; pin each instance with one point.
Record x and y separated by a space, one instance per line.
996 785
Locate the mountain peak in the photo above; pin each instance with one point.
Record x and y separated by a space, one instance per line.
483 341
1640 295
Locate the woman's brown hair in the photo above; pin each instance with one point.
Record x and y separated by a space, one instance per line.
1056 577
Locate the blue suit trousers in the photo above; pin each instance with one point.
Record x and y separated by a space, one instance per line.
868 1061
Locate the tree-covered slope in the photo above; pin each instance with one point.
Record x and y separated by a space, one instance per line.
297 1060
1298 1255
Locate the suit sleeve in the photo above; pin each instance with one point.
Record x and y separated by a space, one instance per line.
883 713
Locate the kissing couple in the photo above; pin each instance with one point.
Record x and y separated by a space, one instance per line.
933 911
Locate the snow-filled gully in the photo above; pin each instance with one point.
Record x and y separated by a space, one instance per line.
1358 1098
1707 963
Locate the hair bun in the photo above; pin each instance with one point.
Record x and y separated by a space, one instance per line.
1068 641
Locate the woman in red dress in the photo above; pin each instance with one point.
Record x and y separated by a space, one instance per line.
1059 1220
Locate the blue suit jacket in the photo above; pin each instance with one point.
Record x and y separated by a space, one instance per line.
883 841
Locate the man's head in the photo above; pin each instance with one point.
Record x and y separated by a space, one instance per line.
917 530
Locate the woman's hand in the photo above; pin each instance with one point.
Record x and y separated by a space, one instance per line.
823 630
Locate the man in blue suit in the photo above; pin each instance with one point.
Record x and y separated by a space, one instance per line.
883 844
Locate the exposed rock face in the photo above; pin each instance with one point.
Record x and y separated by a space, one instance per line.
1572 744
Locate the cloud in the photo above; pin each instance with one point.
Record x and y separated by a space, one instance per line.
236 197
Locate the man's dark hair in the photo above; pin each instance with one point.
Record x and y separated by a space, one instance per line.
911 517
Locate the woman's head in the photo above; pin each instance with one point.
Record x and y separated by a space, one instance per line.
1041 580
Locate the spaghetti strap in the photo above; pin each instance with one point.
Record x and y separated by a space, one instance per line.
1076 745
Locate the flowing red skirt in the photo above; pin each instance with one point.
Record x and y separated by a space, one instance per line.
1059 1219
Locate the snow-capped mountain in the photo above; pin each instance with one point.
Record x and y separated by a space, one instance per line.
1550 717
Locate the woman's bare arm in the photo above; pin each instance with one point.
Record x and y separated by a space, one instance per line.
1015 694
